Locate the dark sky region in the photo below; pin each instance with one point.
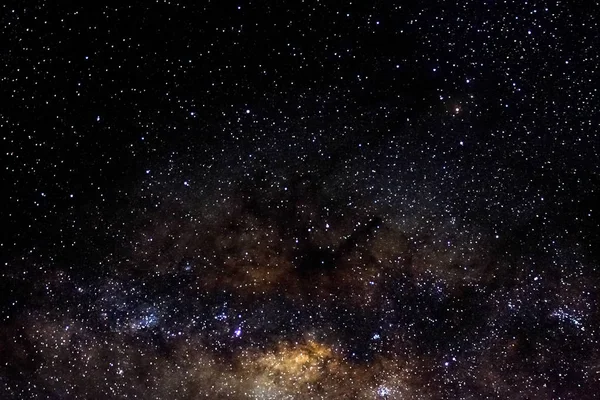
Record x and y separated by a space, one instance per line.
299 200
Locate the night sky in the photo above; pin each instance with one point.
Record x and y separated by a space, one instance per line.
300 200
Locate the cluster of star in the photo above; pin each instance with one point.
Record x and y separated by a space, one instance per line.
267 200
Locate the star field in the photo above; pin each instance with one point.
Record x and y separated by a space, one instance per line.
300 200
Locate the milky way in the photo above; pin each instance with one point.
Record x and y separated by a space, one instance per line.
260 200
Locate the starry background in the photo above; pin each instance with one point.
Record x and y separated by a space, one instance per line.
300 200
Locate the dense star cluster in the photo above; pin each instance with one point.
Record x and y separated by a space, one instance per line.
300 200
